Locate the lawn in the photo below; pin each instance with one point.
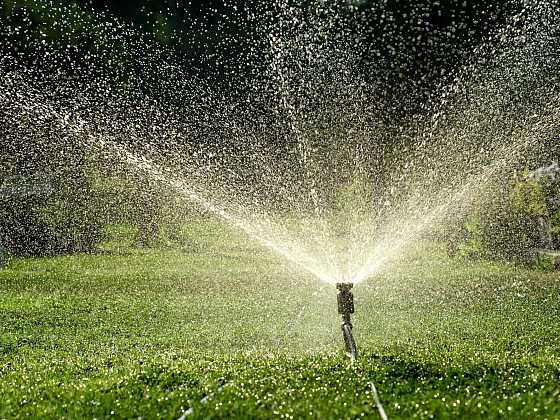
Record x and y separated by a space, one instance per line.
223 328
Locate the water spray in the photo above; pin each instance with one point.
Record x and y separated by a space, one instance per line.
345 300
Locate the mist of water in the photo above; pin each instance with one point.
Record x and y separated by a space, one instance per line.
304 158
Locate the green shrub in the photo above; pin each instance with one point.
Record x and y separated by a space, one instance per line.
508 223
68 218
473 247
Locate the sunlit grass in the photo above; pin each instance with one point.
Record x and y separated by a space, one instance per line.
225 328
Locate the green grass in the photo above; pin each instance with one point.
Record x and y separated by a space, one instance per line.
225 328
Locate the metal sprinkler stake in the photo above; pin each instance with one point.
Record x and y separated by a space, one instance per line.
345 300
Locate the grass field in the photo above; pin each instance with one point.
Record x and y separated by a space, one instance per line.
223 328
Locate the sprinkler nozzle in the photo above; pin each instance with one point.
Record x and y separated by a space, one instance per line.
345 299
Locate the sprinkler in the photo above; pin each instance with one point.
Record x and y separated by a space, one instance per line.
345 300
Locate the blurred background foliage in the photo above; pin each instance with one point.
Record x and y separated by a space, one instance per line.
517 222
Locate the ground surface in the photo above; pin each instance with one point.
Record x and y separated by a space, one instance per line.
223 328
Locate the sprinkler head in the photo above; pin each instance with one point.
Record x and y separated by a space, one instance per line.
345 300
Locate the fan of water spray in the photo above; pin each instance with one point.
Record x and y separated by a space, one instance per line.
304 155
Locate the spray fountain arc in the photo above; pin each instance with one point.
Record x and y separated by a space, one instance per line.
323 99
